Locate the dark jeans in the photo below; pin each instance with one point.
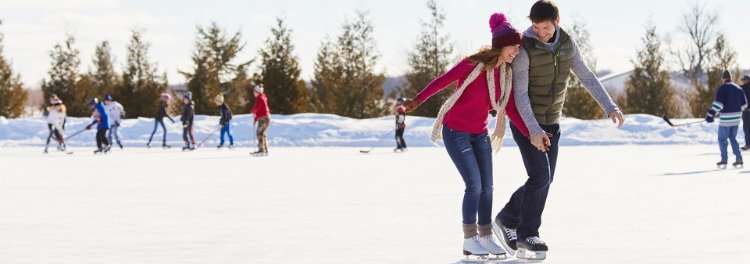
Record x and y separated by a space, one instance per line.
156 125
101 138
746 126
472 155
225 130
187 135
729 134
524 209
400 143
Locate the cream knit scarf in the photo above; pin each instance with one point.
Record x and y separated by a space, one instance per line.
497 135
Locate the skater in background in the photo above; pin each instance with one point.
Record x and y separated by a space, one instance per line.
56 113
541 71
746 113
400 124
116 114
729 103
161 113
484 84
224 121
262 118
101 120
188 111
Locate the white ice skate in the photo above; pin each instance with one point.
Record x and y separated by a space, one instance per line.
474 251
488 242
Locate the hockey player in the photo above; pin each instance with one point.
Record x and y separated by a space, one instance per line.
56 113
116 114
484 81
225 121
161 113
187 122
400 125
729 103
101 120
263 118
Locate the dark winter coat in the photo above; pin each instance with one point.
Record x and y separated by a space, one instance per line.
226 114
161 113
187 114
746 89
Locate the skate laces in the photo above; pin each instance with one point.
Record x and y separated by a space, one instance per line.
510 233
534 240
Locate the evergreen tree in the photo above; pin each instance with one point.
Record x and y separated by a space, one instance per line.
215 69
63 79
327 78
721 58
279 72
140 88
357 89
12 95
649 89
429 59
578 102
103 76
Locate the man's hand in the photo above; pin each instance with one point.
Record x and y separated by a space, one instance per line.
617 118
411 104
542 141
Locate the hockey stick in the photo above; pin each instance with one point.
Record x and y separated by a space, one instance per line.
677 125
376 144
76 134
209 136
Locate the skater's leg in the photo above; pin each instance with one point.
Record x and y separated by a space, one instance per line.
192 134
746 127
539 168
185 136
100 138
221 137
164 128
511 213
723 137
229 133
109 133
483 153
156 125
116 131
262 127
735 144
459 147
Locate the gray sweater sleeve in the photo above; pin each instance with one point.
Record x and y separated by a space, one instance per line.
591 83
521 92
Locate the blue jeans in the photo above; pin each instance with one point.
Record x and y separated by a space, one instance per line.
731 134
472 155
156 125
524 209
225 130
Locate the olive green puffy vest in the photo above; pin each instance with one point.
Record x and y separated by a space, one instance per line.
548 77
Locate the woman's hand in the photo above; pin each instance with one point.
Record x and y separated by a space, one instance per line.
411 104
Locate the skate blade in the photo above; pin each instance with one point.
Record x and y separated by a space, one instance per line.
531 255
472 258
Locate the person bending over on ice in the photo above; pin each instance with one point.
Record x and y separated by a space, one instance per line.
729 103
484 84
101 119
188 111
400 125
56 122
541 71
161 113
116 113
262 117
225 121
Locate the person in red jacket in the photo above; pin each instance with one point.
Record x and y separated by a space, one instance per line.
262 115
484 84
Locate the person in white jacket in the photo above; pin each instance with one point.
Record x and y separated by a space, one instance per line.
56 113
116 114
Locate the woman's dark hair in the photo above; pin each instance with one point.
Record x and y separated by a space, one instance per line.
544 10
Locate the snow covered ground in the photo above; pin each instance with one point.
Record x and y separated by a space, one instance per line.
323 130
609 204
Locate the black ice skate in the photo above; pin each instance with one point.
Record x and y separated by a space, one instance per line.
506 236
738 164
531 248
259 153
721 165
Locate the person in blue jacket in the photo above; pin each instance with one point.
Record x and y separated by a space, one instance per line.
101 119
728 105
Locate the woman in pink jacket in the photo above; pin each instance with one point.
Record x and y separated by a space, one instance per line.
484 84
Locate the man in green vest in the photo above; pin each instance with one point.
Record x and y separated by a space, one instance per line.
540 74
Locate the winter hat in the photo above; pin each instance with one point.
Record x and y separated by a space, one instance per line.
726 75
93 101
746 78
165 97
259 89
219 99
108 98
503 33
56 101
189 95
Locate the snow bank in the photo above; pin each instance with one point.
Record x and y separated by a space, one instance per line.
325 130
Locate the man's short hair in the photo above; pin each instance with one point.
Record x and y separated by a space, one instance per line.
544 10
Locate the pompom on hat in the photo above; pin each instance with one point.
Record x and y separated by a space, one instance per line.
503 33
